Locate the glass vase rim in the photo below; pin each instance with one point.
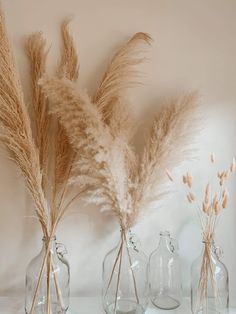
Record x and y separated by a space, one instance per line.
165 233
50 239
208 242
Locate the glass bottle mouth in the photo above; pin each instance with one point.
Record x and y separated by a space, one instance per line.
52 239
165 233
208 242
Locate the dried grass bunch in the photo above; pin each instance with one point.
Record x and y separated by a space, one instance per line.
101 131
215 199
39 145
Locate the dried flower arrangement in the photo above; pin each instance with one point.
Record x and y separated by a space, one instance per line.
101 129
215 199
45 158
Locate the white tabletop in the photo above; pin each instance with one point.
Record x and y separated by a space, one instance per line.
85 306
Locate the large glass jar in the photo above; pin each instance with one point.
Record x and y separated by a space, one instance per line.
48 293
125 278
210 282
165 274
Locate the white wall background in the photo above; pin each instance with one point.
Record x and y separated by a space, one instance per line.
194 48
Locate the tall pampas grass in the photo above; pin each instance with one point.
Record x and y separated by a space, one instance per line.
100 129
15 128
44 157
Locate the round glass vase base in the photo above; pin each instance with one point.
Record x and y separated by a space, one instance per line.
125 307
42 310
207 311
165 303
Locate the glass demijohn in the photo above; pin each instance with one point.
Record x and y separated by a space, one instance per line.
125 281
53 292
210 282
165 274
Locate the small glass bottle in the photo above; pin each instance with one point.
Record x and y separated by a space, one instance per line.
53 290
209 282
125 281
165 274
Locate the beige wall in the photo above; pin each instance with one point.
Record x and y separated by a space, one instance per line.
194 48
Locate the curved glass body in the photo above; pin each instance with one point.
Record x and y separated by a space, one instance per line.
209 283
125 281
165 274
53 291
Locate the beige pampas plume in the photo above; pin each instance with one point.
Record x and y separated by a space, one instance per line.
91 140
64 155
37 53
121 74
166 147
69 64
15 129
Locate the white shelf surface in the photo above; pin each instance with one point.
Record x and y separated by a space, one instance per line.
85 306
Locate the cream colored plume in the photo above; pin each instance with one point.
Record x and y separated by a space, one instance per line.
15 128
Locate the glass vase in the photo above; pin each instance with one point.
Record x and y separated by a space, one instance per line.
210 282
125 278
47 281
165 274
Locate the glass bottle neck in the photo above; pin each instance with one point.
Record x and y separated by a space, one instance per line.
211 248
51 243
129 239
165 240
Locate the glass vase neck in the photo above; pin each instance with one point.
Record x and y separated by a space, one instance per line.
165 234
164 239
51 243
211 242
129 239
44 239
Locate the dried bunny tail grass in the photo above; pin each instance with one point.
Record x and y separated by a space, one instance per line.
166 147
15 130
120 75
233 165
69 65
37 53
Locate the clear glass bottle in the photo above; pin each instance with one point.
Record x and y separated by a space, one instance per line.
53 291
210 282
125 278
165 274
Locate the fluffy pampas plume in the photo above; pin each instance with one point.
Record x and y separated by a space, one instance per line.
118 179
